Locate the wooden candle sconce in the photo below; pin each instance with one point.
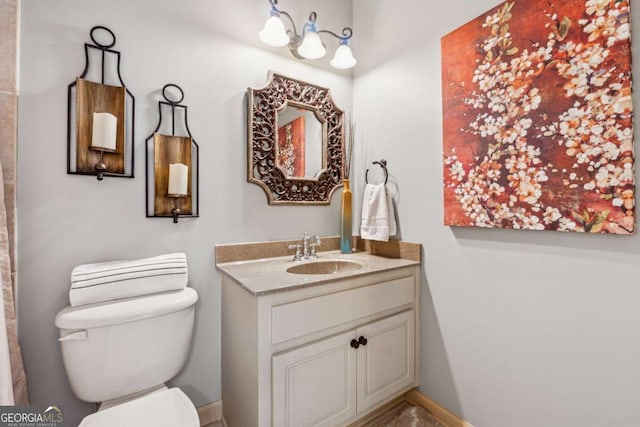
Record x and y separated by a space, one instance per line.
85 156
163 150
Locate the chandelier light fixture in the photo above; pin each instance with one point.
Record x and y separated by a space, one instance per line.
307 44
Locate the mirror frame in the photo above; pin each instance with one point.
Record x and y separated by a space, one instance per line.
264 104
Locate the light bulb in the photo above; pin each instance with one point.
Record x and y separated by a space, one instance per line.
312 47
274 33
343 58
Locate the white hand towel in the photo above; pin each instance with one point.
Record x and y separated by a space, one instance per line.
105 281
393 229
378 219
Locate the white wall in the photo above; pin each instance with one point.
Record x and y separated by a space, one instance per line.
210 49
519 328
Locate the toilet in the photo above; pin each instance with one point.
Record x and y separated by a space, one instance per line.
122 352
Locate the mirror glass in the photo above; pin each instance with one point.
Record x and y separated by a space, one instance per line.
300 142
295 141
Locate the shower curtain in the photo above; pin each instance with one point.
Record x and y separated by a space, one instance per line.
6 383
13 381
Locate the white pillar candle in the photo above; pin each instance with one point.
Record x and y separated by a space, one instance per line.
105 126
178 179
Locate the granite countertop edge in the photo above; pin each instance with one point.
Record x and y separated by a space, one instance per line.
268 275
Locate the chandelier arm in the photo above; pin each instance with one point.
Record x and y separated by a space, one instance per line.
347 33
282 12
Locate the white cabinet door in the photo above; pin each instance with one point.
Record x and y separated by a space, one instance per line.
314 385
386 363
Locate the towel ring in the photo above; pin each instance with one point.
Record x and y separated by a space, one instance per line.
383 165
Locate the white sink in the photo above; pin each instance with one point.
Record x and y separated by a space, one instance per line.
330 266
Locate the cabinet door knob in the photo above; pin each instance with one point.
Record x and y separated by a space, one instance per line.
354 343
362 340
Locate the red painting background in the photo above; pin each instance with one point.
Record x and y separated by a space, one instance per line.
461 54
298 139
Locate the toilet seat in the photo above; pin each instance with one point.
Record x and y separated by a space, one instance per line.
165 408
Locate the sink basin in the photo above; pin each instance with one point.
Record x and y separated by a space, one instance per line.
331 266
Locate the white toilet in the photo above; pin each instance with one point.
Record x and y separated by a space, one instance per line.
121 353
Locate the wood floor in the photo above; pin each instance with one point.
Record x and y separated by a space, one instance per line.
442 417
379 420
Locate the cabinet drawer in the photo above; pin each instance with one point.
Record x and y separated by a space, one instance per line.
299 318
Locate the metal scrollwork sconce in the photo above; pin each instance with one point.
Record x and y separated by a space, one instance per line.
100 114
172 165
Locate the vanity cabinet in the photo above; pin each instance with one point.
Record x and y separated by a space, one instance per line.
321 355
328 382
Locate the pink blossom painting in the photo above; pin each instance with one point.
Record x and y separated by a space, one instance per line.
538 124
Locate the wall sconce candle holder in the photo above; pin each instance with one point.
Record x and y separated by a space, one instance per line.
100 129
172 162
307 44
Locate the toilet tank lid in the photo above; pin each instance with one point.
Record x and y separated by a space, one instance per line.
125 310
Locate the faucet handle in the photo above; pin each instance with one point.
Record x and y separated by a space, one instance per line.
298 255
315 242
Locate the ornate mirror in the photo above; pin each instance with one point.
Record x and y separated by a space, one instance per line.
295 141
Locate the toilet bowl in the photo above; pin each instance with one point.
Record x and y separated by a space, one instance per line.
122 352
168 407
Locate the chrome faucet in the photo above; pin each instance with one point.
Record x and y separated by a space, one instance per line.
306 250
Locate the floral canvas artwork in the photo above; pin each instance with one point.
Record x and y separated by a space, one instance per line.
537 116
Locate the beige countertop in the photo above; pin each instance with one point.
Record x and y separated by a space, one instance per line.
267 275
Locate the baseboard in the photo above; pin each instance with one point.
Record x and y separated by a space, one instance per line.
210 413
440 412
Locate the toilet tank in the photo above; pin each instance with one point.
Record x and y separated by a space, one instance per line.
121 347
